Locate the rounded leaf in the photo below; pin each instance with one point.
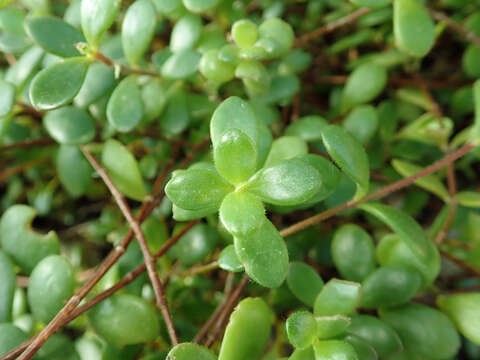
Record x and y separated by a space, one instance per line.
200 6
285 148
181 64
308 128
74 171
7 287
69 125
338 297
195 245
334 349
331 326
190 351
214 68
244 33
8 97
304 282
280 32
186 33
362 123
301 329
97 16
229 261
364 84
125 106
468 198
99 80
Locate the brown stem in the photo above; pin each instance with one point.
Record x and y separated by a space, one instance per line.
28 143
469 35
125 69
377 194
461 264
149 260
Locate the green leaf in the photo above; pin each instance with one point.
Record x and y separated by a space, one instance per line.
362 123
213 68
377 333
190 351
58 84
475 134
291 182
247 332
138 29
334 349
10 337
430 182
390 286
338 297
244 33
468 198
303 354
353 252
180 214
304 282
99 80
264 255
24 245
349 154
186 33
229 261
285 148
195 189
331 326
181 64
97 17
424 331
54 35
195 245
123 169
7 287
278 31
51 284
301 329
371 3
308 128
176 117
425 252
74 171
135 320
464 310
8 97
413 28
200 6
69 125
242 213
235 156
25 66
364 84
125 106
428 129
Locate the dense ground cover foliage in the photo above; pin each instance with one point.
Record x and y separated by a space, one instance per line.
239 180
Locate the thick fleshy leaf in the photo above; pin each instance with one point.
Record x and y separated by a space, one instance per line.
195 245
278 31
233 113
362 123
125 106
377 333
424 251
331 326
190 351
469 198
200 6
135 320
364 84
214 68
99 80
8 97
372 3
54 35
242 213
74 171
349 154
196 189
264 255
186 33
123 169
7 287
308 128
97 17
58 84
414 30
389 286
303 354
229 261
334 349
19 73
244 33
180 214
291 182
137 29
69 125
181 64
301 329
338 297
285 148
235 156
10 337
176 117
51 284
424 331
304 282
353 252
430 182
24 245
464 310
254 75
247 332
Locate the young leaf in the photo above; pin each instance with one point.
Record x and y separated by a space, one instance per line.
242 213
304 282
229 261
51 285
425 252
97 17
54 35
280 33
244 33
301 329
123 169
413 28
8 97
136 320
364 84
18 240
125 106
235 156
338 297
181 64
214 68
189 351
353 252
247 332
69 125
464 310
349 154
137 29
196 189
186 33
291 182
334 349
331 326
264 255
424 331
7 287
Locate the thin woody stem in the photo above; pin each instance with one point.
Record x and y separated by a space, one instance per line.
125 69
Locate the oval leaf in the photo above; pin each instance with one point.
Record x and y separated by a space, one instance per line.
70 125
301 329
338 297
125 106
97 16
304 282
189 351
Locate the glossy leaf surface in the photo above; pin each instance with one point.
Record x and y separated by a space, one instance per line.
242 213
70 125
190 351
304 282
97 16
331 349
229 261
125 106
301 329
338 297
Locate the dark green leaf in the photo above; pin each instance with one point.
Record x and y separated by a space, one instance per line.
304 282
334 349
69 125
